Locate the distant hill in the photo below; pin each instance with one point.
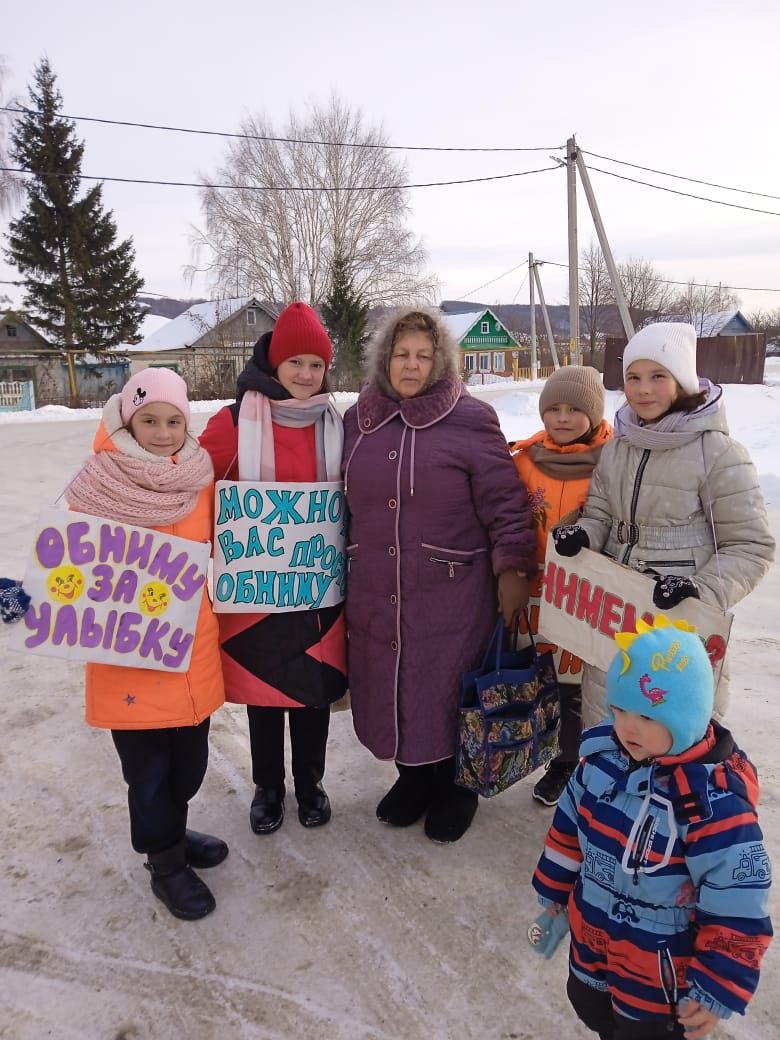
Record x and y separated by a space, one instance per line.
166 308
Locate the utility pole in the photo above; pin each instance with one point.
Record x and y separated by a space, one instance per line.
534 354
546 316
574 280
609 260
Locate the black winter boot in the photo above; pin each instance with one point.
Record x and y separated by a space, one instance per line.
177 885
409 797
452 807
267 810
313 806
204 850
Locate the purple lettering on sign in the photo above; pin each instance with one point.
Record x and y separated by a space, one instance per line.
40 623
66 628
151 643
190 581
180 644
50 548
126 587
112 543
102 575
91 630
164 567
108 637
80 551
127 638
139 549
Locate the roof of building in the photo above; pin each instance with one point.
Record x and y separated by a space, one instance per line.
194 323
459 324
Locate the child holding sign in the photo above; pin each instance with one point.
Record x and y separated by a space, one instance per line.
656 853
147 470
555 465
283 427
673 495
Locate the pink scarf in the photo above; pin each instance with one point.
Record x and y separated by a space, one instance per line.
133 486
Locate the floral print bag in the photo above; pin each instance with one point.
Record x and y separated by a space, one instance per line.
509 717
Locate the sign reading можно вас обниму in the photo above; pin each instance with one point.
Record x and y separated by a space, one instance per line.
279 546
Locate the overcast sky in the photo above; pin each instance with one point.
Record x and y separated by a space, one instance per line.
685 86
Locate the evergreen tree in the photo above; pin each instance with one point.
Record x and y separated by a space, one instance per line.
80 285
345 315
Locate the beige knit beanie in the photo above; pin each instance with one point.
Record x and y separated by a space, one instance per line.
579 386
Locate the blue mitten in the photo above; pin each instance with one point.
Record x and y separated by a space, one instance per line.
547 931
570 539
14 601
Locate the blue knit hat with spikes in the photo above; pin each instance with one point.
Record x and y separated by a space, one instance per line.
662 672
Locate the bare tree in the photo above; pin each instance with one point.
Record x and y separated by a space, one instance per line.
595 296
697 303
279 243
647 295
10 186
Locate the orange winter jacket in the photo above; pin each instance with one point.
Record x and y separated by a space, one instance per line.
552 498
144 698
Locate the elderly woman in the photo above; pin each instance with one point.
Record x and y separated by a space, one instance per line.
440 541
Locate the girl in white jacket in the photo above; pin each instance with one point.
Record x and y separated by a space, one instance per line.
673 495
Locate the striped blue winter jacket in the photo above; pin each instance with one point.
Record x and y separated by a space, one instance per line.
665 875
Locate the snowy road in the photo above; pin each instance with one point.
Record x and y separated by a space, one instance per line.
352 932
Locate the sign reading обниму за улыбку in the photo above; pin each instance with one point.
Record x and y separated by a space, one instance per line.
111 593
278 546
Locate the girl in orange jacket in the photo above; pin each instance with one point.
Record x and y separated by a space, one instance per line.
555 465
147 470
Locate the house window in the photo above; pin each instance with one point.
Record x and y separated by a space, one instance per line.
10 330
469 362
484 362
251 316
499 361
485 328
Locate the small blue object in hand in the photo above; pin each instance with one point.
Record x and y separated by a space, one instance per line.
14 601
546 932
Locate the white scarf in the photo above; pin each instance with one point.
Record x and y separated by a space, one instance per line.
256 457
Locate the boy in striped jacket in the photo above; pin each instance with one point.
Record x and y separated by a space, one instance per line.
656 853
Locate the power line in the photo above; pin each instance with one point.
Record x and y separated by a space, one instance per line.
669 281
285 140
520 286
496 279
681 177
686 194
288 187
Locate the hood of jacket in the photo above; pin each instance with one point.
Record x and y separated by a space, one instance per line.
380 347
375 407
689 779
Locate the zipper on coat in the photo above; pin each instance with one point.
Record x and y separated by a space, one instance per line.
635 496
650 564
452 564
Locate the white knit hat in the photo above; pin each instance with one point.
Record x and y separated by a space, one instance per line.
669 343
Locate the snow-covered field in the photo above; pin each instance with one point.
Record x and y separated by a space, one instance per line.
352 932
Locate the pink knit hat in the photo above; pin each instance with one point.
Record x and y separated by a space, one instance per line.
298 330
151 386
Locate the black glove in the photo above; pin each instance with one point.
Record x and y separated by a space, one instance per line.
671 589
14 601
569 540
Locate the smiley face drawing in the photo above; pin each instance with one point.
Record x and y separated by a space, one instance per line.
65 583
155 598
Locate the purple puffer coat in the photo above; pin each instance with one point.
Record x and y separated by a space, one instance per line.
437 510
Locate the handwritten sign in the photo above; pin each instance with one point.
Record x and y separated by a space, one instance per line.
587 598
108 592
278 547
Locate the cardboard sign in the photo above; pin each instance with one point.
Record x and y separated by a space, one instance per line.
279 547
587 598
111 593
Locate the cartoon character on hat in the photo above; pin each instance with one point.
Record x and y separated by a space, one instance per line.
154 408
660 688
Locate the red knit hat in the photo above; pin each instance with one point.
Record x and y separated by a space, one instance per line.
298 330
